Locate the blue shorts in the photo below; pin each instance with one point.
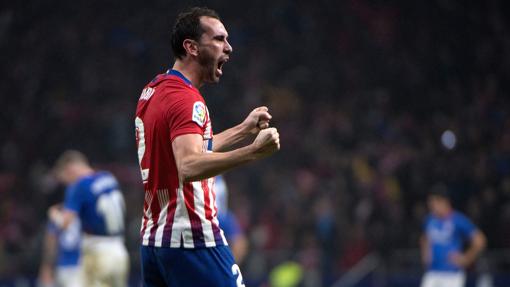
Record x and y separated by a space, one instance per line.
181 267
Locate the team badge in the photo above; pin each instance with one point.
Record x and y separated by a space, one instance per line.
199 113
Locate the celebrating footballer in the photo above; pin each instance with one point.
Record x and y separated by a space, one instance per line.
179 155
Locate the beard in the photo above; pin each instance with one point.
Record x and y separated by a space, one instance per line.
208 64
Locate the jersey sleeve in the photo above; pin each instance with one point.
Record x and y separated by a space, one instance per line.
187 116
465 226
73 199
51 228
425 224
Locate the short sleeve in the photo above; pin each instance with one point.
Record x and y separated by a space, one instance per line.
187 116
465 226
425 224
51 228
73 200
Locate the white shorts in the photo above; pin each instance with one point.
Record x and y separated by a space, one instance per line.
105 261
68 276
443 279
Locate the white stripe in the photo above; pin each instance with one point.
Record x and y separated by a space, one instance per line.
181 226
198 192
163 203
215 215
148 214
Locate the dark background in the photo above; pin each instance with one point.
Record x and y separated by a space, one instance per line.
361 92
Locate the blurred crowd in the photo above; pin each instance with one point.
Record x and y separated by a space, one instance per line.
362 92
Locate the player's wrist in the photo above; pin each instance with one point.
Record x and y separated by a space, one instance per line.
246 129
252 152
57 218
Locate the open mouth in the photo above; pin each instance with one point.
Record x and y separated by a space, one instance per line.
219 68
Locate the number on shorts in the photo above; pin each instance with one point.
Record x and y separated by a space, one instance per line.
111 206
237 272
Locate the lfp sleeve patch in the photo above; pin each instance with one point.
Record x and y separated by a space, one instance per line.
199 113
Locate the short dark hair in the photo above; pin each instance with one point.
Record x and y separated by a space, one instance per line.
439 190
187 26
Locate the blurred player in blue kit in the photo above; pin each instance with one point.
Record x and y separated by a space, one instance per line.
228 221
445 233
61 255
94 198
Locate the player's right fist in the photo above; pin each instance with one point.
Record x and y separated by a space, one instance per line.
267 142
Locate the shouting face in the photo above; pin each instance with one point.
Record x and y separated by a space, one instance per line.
213 49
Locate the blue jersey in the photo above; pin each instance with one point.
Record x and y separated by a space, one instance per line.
229 225
446 237
98 202
68 243
228 220
221 190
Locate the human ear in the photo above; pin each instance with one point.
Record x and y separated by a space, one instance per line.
191 47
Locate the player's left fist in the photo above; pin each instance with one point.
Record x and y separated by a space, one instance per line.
257 120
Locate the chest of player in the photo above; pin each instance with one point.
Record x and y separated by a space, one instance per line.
441 232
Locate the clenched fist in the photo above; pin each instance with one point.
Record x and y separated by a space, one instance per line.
267 142
257 120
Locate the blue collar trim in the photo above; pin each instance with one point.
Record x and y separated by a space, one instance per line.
180 75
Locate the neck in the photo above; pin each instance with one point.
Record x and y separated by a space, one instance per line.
447 212
190 70
82 171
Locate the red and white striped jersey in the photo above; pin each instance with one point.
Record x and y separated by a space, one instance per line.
175 214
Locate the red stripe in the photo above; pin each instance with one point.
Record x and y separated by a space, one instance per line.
156 209
196 224
207 205
172 206
215 228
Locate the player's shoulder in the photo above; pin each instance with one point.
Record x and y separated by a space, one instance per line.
429 218
459 216
170 85
102 180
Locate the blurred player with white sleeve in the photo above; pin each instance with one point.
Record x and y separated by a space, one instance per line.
229 222
61 257
94 197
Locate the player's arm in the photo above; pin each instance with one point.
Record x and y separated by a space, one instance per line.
46 276
477 244
257 120
426 256
61 217
240 248
193 164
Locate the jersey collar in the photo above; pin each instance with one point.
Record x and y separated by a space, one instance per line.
180 75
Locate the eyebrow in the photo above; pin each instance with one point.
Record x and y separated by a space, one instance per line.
220 36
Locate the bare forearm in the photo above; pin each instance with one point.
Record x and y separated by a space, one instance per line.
229 138
425 251
50 250
476 247
206 165
193 164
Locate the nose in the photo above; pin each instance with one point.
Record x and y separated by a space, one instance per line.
228 48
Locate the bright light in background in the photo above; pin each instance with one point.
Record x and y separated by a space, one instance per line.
448 139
